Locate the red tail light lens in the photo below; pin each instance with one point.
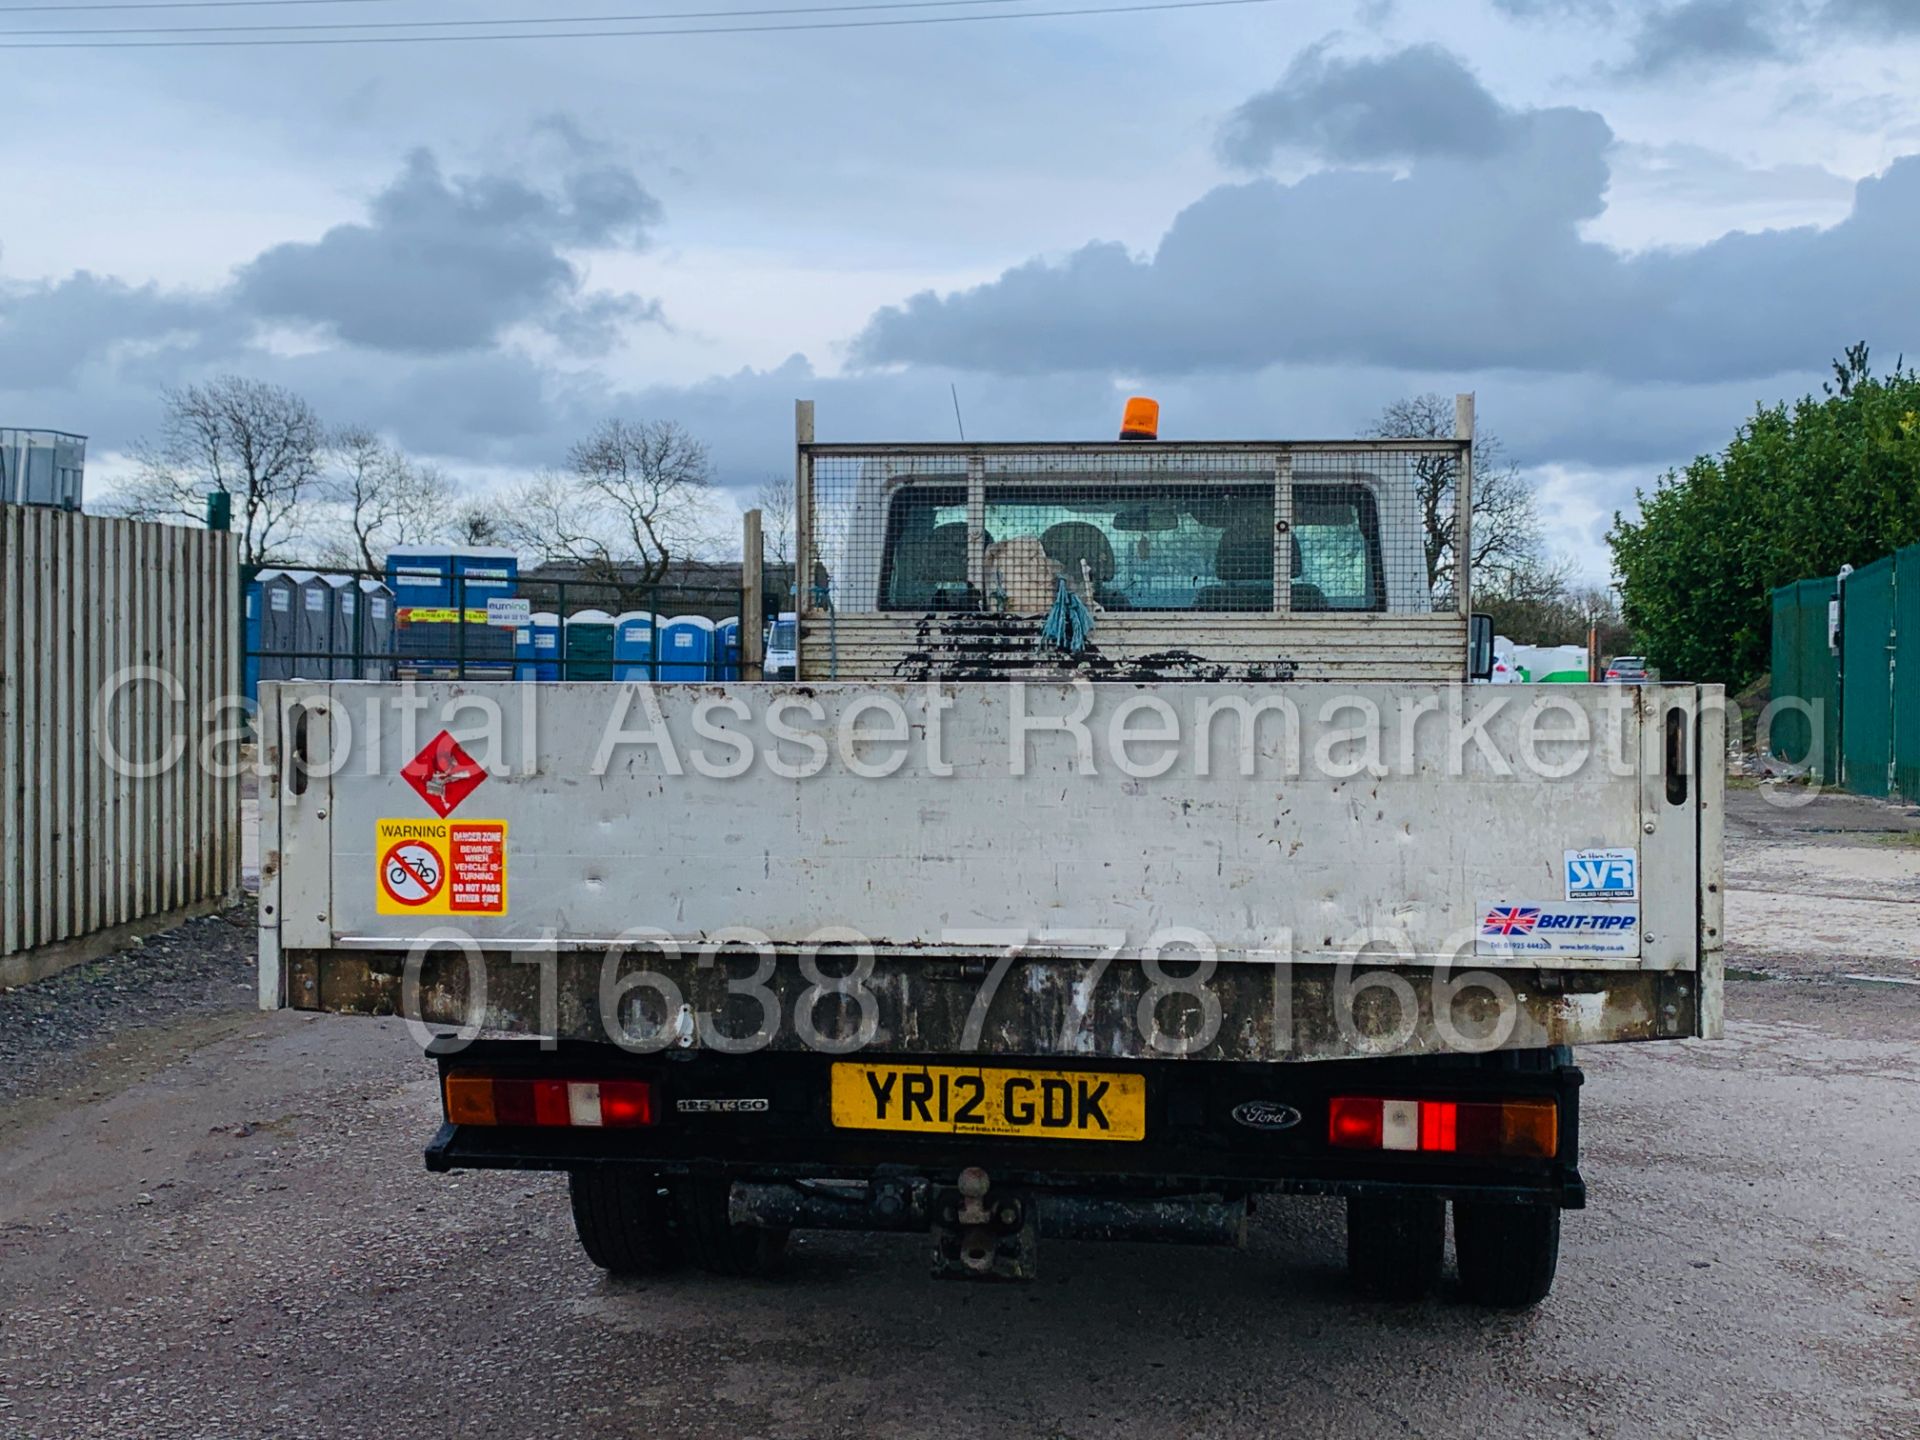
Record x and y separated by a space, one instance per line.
1354 1124
507 1100
1528 1129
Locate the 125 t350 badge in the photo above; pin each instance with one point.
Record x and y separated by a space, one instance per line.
1510 928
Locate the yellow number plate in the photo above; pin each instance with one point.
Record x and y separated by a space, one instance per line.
967 1100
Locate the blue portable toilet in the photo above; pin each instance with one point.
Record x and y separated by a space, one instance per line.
726 647
588 645
481 573
250 647
686 648
537 647
633 635
420 576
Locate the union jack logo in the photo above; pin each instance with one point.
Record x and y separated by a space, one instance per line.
1511 920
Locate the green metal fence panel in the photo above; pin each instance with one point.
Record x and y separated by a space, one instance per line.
1866 667
1805 669
1906 673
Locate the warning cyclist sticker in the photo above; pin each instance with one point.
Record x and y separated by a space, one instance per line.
441 867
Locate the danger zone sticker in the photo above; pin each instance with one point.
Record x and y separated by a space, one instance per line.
440 867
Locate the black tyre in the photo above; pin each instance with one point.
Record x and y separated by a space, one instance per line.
1508 1253
624 1220
713 1242
1395 1245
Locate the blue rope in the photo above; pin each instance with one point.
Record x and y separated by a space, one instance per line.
1069 624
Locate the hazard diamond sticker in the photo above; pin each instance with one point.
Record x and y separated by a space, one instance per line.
443 774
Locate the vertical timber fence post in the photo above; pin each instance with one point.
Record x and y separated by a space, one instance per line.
1463 515
802 527
752 601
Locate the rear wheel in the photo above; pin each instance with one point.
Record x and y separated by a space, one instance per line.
1395 1245
713 1241
1508 1253
624 1220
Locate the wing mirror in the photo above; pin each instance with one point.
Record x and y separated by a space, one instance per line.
1480 647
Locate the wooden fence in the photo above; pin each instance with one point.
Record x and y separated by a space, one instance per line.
119 643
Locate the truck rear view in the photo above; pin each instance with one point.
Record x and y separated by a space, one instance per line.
1130 842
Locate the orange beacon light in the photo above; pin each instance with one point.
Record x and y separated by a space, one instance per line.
1141 420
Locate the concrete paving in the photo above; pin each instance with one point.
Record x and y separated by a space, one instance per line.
217 1224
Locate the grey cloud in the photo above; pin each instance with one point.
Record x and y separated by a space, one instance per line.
595 323
1416 102
1555 9
447 264
1702 33
1874 17
48 331
1458 264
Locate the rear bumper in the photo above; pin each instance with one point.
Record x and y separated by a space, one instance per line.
1193 1141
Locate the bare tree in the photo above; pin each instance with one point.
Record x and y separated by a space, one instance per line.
774 500
1506 546
650 482
479 522
384 499
259 442
635 497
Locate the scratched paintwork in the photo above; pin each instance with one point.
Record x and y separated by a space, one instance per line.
1041 1008
943 870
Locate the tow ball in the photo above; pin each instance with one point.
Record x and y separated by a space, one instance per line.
983 1234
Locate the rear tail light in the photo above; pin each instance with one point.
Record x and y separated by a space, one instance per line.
506 1100
1525 1128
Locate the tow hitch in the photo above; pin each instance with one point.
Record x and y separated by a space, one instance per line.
984 1232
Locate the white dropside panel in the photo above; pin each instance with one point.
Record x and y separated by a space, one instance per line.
1269 822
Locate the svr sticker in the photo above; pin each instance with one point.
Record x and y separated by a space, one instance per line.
441 867
1602 930
1603 875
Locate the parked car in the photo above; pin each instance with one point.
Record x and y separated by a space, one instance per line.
1628 669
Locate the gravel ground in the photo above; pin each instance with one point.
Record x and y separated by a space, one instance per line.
48 1030
218 1225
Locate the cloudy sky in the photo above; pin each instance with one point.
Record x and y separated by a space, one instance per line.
1621 222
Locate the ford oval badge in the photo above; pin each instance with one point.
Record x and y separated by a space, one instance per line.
1265 1115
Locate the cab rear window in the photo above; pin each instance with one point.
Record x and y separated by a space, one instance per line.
1142 548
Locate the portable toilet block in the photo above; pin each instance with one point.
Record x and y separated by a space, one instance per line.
279 623
546 645
537 647
726 646
633 636
588 641
376 630
312 627
343 625
523 662
686 648
420 575
481 573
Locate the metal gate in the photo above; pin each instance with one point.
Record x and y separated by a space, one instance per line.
1860 721
1806 669
118 654
1905 650
1866 661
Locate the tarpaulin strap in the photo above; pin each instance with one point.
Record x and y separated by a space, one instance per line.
1069 624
